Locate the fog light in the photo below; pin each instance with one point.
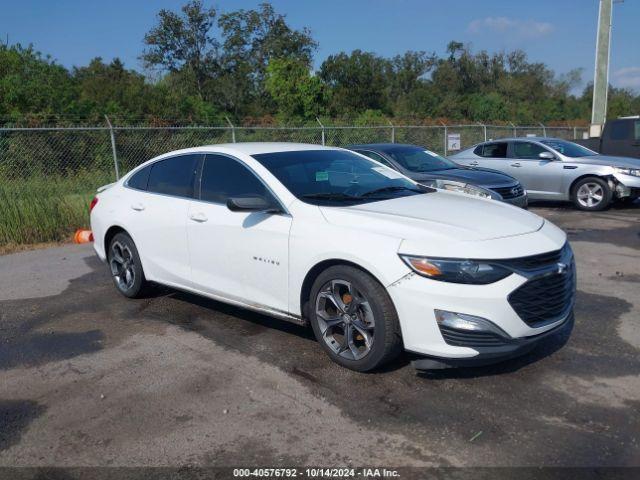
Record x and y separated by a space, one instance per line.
468 323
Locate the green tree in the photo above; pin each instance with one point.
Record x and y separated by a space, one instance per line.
251 39
183 43
358 81
111 89
33 84
296 94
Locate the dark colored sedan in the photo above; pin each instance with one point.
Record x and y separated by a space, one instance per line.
429 168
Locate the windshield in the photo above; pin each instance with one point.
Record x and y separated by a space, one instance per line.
417 159
336 177
568 149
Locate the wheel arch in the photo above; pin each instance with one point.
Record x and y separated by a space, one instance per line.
111 232
575 181
316 270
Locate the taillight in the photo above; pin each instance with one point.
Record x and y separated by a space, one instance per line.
93 203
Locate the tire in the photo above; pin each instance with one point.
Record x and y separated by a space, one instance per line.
591 194
125 266
372 324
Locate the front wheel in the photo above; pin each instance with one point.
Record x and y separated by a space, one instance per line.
354 319
591 194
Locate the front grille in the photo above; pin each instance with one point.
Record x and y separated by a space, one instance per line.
545 299
510 192
459 338
537 261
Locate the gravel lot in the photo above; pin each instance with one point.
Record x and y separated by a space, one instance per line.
89 378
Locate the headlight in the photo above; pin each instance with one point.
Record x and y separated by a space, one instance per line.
461 187
627 171
456 271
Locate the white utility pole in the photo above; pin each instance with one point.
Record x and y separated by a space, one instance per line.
601 73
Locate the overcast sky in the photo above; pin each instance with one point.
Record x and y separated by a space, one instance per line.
560 33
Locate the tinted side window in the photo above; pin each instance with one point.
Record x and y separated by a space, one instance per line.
173 176
139 179
224 177
377 157
527 150
478 150
636 130
620 130
495 150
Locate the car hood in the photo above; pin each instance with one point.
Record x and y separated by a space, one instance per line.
609 160
476 176
445 215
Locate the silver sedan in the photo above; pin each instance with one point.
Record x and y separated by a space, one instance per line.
555 169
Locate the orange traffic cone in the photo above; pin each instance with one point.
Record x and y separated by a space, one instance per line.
83 236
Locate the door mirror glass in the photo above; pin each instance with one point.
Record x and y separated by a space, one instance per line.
250 204
546 156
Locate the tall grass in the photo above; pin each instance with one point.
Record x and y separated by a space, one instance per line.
46 209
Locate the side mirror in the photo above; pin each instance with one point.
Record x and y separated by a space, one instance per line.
546 156
251 204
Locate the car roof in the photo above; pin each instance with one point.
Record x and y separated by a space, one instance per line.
254 148
381 146
533 139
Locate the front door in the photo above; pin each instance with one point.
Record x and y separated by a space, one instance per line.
542 178
243 256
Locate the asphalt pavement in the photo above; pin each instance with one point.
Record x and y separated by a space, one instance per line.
90 378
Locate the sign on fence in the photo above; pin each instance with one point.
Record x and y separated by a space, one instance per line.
453 141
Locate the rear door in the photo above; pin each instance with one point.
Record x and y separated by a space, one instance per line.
159 217
242 256
541 178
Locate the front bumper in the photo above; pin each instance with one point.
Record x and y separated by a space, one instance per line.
522 201
629 181
491 355
626 186
524 306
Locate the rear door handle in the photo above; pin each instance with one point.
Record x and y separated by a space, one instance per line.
138 207
473 164
516 165
198 217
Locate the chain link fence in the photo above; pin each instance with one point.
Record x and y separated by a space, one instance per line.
49 175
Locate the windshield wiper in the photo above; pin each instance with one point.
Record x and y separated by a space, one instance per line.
389 189
331 196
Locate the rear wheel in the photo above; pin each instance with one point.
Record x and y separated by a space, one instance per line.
126 268
354 319
591 193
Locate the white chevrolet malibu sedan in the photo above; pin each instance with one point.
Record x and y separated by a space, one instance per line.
323 236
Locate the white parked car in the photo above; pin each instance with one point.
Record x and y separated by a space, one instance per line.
373 261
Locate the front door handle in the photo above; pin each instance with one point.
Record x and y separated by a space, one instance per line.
198 217
138 207
517 165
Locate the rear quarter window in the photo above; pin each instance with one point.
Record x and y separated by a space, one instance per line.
139 179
